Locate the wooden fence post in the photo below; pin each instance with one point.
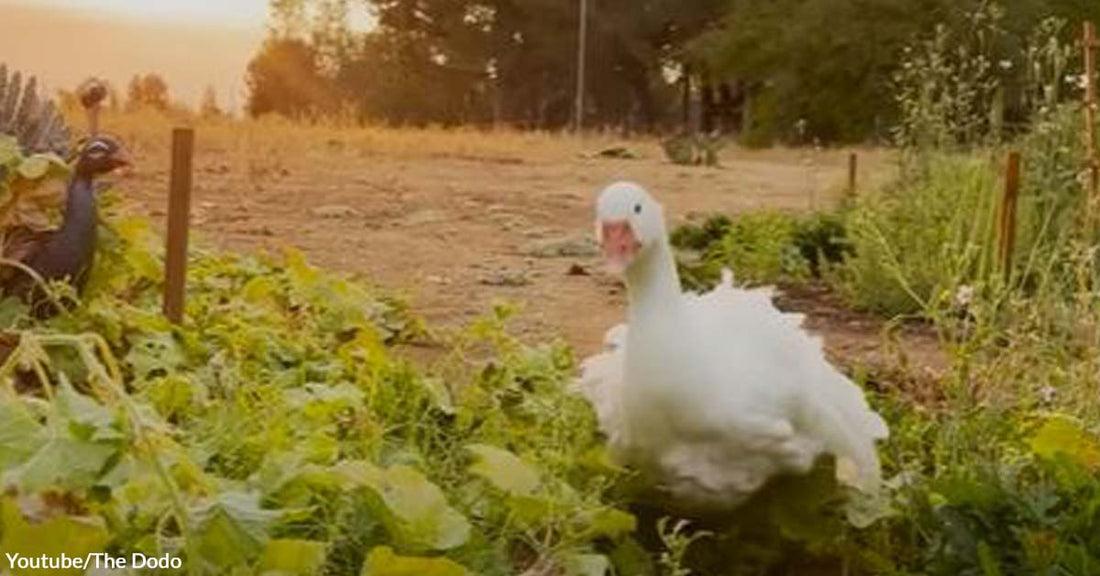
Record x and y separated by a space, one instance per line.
1007 228
1089 45
179 219
853 163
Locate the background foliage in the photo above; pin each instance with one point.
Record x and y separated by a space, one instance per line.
793 70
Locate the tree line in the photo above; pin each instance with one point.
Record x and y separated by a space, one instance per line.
148 91
769 70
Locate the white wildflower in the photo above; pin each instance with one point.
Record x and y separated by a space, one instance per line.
1081 81
964 296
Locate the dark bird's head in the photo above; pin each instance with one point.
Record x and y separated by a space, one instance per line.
92 93
100 155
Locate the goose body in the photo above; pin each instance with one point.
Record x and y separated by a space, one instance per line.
711 395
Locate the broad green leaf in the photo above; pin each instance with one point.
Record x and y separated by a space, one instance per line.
72 535
599 460
88 419
67 458
358 473
964 487
20 433
606 522
292 558
153 354
11 310
629 557
439 394
987 558
39 165
320 447
137 492
172 395
802 506
144 248
863 509
287 478
9 148
415 510
382 561
259 290
1062 436
231 529
323 400
504 470
587 565
530 510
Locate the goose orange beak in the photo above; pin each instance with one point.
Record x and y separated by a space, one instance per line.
619 245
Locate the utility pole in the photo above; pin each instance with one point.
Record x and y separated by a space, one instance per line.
1089 44
582 48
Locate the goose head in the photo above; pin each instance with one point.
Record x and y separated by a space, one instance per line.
630 225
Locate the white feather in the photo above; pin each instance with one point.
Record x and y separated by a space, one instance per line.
714 394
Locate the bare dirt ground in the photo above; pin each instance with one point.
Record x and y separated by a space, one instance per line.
456 232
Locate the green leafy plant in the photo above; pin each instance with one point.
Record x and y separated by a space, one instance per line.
31 187
276 430
693 149
760 248
677 541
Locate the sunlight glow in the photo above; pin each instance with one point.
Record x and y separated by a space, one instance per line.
193 44
234 13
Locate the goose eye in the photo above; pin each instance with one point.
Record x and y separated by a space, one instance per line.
637 208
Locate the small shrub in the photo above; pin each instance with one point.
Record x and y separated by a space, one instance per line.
759 248
279 416
822 239
922 238
701 237
693 149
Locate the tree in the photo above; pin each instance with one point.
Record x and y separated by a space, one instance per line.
284 78
825 65
148 91
831 63
209 107
288 18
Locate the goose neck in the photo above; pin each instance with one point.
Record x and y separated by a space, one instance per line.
652 283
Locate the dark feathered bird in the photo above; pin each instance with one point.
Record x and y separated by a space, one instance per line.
34 121
92 93
67 253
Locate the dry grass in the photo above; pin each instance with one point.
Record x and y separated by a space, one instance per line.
270 141
274 137
395 203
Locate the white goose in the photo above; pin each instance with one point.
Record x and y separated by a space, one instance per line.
711 395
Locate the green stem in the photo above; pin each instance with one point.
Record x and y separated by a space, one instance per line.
38 280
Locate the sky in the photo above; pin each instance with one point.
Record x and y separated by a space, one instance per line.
191 43
247 14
